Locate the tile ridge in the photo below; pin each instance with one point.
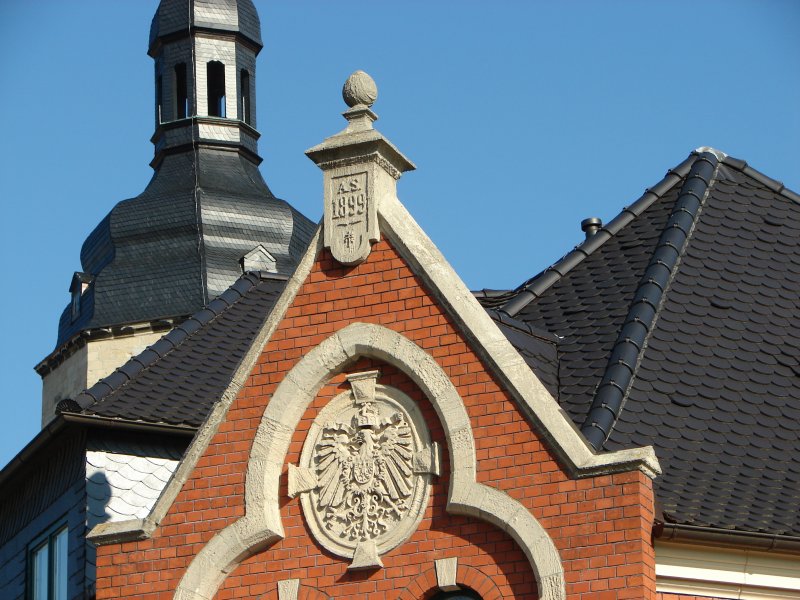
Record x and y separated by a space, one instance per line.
611 392
169 342
772 184
537 285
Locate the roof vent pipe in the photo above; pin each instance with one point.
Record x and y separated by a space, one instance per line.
591 226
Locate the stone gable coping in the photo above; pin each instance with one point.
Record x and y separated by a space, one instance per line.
261 526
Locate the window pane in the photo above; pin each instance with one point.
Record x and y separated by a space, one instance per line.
215 72
60 570
181 92
39 573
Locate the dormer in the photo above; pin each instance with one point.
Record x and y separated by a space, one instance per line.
79 284
259 259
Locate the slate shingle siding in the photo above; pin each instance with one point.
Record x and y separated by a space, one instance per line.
234 15
48 492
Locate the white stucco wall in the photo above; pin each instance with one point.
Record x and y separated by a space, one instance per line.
87 366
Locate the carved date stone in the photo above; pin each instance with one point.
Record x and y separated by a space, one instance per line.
351 223
365 469
360 167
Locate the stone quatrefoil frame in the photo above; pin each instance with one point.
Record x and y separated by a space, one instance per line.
261 526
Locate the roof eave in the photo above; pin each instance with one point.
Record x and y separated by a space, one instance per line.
63 421
725 538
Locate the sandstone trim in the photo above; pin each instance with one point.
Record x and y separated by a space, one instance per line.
261 526
492 346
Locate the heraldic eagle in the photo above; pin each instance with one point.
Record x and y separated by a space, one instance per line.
364 473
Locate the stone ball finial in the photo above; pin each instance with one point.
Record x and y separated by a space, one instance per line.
359 88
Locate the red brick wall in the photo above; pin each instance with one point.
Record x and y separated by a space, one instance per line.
600 525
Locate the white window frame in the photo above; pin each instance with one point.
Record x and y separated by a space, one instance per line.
56 564
706 571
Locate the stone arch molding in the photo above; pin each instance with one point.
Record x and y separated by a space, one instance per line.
261 526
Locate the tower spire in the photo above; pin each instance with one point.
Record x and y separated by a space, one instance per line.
205 56
206 215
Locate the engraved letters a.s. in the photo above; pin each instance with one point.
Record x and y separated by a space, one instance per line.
349 218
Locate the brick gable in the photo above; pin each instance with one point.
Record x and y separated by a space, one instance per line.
601 525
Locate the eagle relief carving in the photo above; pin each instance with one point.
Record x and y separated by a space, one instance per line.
365 471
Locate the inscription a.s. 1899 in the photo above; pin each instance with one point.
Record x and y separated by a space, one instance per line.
350 200
348 228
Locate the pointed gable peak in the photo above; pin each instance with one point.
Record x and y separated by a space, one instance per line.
359 166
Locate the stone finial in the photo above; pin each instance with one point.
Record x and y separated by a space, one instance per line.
361 167
359 88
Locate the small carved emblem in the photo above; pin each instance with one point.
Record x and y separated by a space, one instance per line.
349 218
364 471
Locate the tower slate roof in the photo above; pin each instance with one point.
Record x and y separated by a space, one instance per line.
167 252
176 246
238 16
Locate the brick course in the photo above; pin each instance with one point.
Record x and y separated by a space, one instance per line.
600 525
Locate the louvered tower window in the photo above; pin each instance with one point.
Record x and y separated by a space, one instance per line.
216 89
244 86
181 92
159 100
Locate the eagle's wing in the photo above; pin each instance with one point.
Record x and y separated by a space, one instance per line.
333 456
396 446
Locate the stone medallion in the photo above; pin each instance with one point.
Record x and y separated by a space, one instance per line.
365 471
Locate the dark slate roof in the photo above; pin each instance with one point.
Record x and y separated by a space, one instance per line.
584 297
167 252
178 379
714 385
237 16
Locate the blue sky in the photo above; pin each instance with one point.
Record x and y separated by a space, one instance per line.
522 117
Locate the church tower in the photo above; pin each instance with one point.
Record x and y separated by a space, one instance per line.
205 217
